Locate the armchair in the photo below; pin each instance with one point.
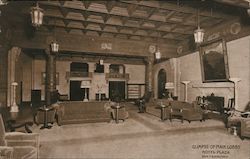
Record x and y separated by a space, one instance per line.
18 145
141 102
123 113
230 106
245 128
39 117
6 152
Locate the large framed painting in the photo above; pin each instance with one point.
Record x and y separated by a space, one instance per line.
214 61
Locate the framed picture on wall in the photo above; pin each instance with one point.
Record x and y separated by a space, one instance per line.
44 78
214 61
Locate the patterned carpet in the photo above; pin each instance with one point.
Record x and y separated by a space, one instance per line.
142 136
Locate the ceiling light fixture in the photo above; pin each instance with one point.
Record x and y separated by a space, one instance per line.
248 10
198 33
158 54
3 2
36 15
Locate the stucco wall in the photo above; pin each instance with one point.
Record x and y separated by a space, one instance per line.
170 66
239 64
136 74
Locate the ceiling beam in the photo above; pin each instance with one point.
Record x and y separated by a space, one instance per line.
118 15
174 7
115 33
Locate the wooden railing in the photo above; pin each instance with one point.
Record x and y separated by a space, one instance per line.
117 75
79 74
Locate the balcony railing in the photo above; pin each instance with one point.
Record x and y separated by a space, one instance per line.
79 74
117 75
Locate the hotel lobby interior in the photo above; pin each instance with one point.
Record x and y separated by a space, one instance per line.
154 79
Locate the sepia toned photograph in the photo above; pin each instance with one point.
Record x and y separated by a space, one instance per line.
125 79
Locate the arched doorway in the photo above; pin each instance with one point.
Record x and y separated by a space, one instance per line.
161 83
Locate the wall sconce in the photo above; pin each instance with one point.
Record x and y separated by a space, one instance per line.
36 15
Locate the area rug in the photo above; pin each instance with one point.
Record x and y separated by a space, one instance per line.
142 136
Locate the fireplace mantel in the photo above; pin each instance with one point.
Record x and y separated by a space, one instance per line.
213 85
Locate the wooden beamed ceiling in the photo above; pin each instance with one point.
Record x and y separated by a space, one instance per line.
140 20
166 21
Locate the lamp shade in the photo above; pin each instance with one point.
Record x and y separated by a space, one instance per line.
198 35
101 61
169 85
36 16
158 55
54 47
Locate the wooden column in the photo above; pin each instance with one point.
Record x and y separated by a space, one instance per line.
3 76
149 74
50 84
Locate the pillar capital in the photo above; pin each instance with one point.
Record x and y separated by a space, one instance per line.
15 52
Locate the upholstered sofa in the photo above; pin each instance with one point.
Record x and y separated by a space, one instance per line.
190 111
75 112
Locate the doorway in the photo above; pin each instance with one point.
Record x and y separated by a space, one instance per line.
161 83
117 90
76 92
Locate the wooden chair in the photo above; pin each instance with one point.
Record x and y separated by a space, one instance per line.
230 106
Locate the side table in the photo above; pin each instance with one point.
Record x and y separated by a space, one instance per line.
45 123
163 112
116 108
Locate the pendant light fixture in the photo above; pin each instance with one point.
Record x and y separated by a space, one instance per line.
36 15
157 53
54 45
3 2
198 33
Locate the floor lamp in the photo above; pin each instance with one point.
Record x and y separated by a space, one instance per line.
14 106
85 85
186 84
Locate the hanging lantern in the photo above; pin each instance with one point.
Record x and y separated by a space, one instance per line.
36 15
198 35
157 54
54 47
3 2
